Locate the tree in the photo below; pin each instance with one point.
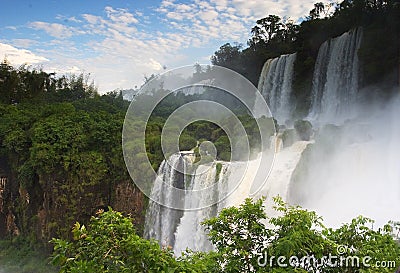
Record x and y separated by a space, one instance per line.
318 9
245 239
359 240
227 56
297 241
266 28
110 244
238 235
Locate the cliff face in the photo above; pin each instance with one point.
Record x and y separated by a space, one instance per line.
60 159
7 216
129 200
52 204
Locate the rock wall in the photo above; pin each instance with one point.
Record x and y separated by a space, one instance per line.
51 204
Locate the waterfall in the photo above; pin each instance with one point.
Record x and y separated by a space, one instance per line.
353 169
278 183
190 233
160 221
275 84
335 80
345 171
182 229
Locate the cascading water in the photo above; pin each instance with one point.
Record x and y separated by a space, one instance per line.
336 77
190 233
275 84
182 229
161 222
185 230
278 182
353 170
347 170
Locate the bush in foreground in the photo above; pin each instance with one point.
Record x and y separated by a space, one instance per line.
243 243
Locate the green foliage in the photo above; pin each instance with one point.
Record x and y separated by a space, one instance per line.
26 85
110 244
227 56
21 256
288 137
200 131
379 53
218 168
362 241
297 233
245 240
61 146
59 137
187 142
237 233
244 243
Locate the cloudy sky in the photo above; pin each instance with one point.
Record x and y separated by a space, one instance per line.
119 42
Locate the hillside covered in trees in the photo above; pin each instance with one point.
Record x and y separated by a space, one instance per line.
60 155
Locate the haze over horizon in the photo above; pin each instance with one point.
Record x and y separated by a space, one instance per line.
120 42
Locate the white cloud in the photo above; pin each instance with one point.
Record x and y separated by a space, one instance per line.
56 30
11 27
62 69
68 19
167 3
184 8
257 9
121 16
208 15
92 19
175 16
73 19
124 46
153 64
24 42
20 56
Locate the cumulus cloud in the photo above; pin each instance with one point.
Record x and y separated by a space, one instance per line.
251 10
63 69
53 29
19 56
226 20
121 45
92 19
68 19
121 16
24 43
153 64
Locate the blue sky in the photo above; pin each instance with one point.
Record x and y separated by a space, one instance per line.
119 42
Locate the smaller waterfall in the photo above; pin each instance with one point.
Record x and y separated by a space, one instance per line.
275 84
182 229
190 233
161 222
353 169
335 80
276 142
278 183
